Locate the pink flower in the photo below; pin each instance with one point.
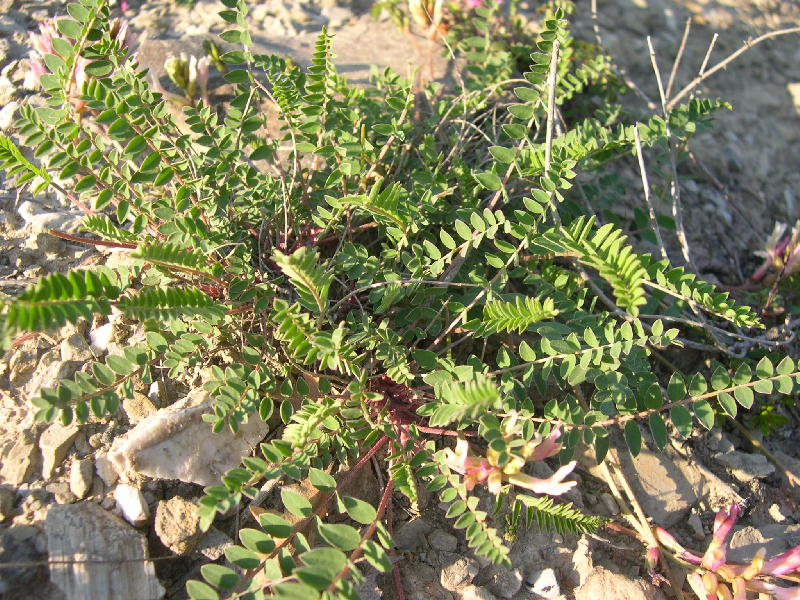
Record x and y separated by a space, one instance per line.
42 43
552 486
716 551
788 562
477 469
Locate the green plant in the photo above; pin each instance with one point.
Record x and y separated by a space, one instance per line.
403 266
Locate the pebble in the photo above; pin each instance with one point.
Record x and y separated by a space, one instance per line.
7 114
505 582
18 464
138 408
54 444
443 541
61 492
543 584
459 573
411 535
603 583
177 524
131 502
7 497
746 467
75 347
696 525
609 503
105 469
81 476
473 592
213 544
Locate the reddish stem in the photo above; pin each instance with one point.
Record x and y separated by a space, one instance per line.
83 240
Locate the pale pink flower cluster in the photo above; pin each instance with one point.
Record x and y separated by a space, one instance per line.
713 578
781 252
42 43
477 469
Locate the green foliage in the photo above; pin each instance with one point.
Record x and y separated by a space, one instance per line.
400 263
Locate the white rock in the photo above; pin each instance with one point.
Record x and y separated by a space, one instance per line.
132 504
175 443
105 469
101 337
543 584
54 443
84 531
41 220
7 115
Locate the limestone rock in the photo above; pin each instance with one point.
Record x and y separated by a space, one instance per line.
745 467
131 502
54 443
603 583
175 443
81 475
75 347
776 539
177 524
105 469
85 531
543 584
19 463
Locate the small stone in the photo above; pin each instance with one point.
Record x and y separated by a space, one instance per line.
131 502
473 592
101 337
543 584
696 525
505 582
49 244
7 497
81 476
18 464
54 444
61 492
443 541
459 573
609 503
176 443
177 524
7 115
105 469
213 544
745 467
75 347
410 535
138 408
603 583
775 539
